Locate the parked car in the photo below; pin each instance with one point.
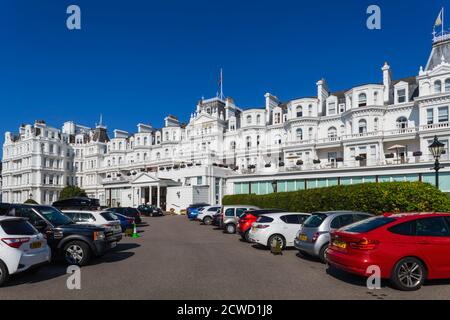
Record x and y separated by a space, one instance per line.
314 236
129 212
78 203
105 219
229 216
280 227
22 247
149 210
408 248
192 210
250 217
75 243
126 223
206 214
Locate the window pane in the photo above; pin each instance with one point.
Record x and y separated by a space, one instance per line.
431 227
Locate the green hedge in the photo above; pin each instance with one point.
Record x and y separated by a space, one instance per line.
367 197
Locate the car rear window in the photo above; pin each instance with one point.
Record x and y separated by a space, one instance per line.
368 224
18 228
264 219
315 220
108 216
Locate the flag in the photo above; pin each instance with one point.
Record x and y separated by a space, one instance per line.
439 19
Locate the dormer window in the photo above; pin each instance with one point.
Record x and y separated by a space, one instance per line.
401 96
331 108
362 100
299 111
437 86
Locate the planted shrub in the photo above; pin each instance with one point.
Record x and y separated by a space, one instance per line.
375 198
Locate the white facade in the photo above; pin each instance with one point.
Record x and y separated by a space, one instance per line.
373 132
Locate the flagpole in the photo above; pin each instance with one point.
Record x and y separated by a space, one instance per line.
443 24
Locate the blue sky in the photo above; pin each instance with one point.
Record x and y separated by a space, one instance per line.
139 60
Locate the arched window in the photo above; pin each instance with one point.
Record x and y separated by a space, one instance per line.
310 133
299 134
166 153
362 126
362 100
299 112
375 124
248 142
437 86
120 145
258 119
138 157
158 156
278 139
310 110
166 136
402 123
233 145
145 141
258 140
342 130
249 119
447 85
145 156
375 97
332 133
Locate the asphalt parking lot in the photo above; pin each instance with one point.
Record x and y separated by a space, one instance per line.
178 259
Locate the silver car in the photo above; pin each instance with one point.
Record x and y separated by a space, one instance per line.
229 216
314 236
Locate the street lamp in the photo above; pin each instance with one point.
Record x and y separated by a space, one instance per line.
436 149
274 186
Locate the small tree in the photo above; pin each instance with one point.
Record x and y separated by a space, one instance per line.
31 201
72 192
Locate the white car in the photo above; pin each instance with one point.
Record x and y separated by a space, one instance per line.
206 214
104 219
22 247
282 227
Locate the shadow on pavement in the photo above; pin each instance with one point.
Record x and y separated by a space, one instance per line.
48 272
125 246
351 278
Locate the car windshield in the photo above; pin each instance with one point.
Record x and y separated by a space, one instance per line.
315 220
56 217
368 224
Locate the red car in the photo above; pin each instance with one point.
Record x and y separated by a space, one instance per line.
409 248
248 218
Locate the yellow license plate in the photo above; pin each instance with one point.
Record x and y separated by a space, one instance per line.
340 244
35 245
303 237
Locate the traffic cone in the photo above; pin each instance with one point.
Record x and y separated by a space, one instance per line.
135 234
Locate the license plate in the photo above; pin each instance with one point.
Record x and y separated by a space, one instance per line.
303 237
339 244
113 244
36 245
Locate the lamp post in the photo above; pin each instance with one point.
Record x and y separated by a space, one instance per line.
274 186
436 149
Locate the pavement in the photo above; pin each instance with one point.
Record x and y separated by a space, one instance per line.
178 259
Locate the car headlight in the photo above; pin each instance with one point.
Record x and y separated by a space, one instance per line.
99 235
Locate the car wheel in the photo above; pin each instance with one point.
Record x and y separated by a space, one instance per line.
77 253
277 237
409 274
4 275
230 228
323 253
207 220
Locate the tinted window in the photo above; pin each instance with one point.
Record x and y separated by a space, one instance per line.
240 211
108 216
229 212
18 228
302 218
432 227
214 209
345 220
290 219
4 209
369 224
28 213
359 217
73 215
335 223
315 220
404 229
132 212
55 216
264 219
87 217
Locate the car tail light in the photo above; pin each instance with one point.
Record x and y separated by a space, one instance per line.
15 242
364 244
315 236
262 226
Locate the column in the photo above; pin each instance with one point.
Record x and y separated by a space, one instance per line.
158 204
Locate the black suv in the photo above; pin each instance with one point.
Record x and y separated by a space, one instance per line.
129 212
77 204
148 210
76 243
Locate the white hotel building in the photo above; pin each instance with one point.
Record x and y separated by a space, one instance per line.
369 133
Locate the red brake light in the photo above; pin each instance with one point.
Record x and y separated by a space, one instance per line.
364 244
15 242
